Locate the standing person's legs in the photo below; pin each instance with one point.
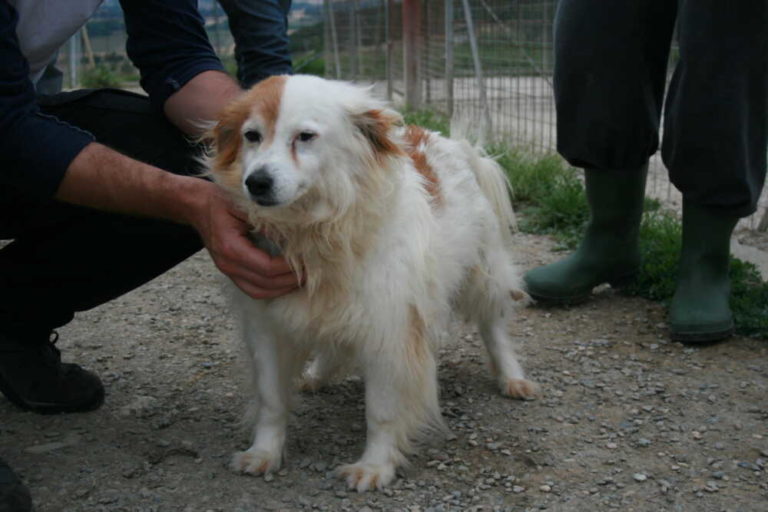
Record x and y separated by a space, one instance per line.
610 71
65 259
715 133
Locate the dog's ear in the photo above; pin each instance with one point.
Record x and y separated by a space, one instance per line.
375 125
225 137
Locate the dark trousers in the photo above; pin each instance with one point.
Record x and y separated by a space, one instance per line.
610 75
260 31
65 258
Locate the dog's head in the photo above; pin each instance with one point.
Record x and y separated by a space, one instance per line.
301 146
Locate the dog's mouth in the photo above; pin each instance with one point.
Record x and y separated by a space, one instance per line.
266 201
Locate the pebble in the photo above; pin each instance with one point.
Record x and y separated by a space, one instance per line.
640 477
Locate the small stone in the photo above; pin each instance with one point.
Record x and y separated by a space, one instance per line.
611 446
545 488
518 489
640 477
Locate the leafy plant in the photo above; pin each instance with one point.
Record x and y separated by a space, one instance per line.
98 77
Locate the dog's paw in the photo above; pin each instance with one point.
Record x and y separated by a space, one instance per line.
310 383
365 477
519 388
255 462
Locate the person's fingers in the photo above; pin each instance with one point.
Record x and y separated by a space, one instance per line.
261 293
247 260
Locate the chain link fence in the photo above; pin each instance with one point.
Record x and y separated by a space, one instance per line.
487 62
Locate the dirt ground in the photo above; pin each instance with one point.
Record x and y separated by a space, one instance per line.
627 419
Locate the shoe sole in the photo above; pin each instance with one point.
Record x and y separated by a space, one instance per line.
50 408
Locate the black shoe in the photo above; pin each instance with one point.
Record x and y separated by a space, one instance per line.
14 495
33 377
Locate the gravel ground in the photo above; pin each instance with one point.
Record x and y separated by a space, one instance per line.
627 420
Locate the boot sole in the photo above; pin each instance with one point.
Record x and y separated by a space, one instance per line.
693 337
617 283
50 408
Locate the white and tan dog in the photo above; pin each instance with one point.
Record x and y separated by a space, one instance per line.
391 227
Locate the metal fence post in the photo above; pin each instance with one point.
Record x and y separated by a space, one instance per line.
74 51
334 39
478 71
390 34
449 58
354 22
412 52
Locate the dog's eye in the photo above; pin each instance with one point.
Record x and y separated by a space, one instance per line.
252 136
306 136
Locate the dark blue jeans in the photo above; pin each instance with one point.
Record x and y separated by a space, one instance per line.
260 31
65 258
610 75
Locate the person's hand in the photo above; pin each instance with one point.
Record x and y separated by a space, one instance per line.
225 234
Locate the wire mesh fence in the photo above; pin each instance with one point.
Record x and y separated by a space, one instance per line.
487 62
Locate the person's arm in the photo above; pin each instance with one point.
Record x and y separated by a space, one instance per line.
101 178
35 149
200 100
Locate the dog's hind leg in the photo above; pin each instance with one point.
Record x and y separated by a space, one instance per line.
274 366
327 365
487 300
401 401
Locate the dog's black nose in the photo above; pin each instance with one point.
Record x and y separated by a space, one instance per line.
259 184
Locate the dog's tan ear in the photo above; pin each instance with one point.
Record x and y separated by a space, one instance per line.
375 125
225 137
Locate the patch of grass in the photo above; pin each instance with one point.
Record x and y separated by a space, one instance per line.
660 243
100 76
749 299
428 119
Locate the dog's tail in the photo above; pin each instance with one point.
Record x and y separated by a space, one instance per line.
495 186
489 174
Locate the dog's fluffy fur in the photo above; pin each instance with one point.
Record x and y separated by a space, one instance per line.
391 228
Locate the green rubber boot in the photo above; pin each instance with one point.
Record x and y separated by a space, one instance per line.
609 251
700 310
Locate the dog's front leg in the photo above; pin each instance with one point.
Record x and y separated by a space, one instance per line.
376 468
272 373
401 401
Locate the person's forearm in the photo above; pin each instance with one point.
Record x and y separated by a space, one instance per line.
102 178
199 102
